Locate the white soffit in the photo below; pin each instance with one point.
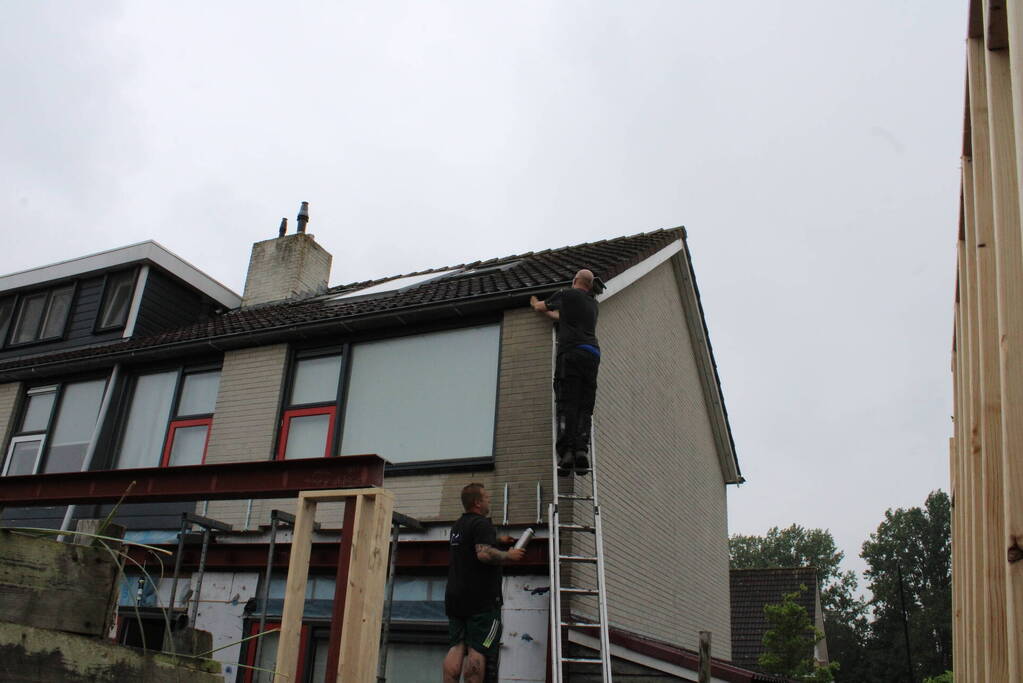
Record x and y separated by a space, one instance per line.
143 251
627 277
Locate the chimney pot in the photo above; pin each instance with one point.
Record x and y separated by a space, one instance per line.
284 227
303 216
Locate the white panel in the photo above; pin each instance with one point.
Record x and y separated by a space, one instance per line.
424 397
526 616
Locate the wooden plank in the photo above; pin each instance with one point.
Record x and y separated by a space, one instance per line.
974 510
294 591
960 547
980 65
39 578
360 639
1008 476
1014 30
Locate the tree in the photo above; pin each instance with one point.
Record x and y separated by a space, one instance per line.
916 541
845 620
790 640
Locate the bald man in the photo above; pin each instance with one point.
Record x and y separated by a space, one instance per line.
575 377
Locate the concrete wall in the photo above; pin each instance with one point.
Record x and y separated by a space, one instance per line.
662 492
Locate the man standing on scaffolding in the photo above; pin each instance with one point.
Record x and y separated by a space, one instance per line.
575 376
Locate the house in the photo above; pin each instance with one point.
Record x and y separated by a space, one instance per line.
133 358
752 590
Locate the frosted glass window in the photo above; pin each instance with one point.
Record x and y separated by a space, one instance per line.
406 662
29 317
56 313
307 437
189 444
142 445
37 413
267 657
316 380
22 459
76 421
424 397
117 300
199 393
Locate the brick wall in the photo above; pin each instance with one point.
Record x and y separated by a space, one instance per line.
282 267
662 492
245 421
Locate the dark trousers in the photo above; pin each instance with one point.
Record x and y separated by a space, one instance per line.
575 390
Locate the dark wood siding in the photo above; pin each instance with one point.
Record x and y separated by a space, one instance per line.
167 305
79 332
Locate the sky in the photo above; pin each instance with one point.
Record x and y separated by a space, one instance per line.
810 148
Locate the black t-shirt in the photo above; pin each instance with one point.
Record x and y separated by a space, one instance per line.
577 322
473 587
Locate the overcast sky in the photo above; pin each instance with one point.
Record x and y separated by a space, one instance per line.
810 148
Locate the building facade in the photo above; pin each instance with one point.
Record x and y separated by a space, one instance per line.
132 358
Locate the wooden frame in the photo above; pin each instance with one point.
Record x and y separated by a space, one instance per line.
369 534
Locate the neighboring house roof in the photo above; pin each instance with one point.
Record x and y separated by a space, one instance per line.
751 590
143 252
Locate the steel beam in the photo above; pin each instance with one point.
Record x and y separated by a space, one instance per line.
228 481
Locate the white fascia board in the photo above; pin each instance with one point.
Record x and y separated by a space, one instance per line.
630 275
143 251
641 659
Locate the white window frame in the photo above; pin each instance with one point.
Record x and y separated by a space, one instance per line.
41 438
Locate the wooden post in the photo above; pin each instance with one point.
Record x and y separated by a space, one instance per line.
1004 110
985 126
360 637
704 674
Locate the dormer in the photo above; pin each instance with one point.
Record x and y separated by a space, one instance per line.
133 291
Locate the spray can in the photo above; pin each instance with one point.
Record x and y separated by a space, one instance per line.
524 539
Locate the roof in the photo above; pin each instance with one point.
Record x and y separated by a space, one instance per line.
142 252
522 274
751 590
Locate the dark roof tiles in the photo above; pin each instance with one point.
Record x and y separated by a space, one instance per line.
751 590
523 272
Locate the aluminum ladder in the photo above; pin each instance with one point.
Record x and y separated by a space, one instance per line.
585 523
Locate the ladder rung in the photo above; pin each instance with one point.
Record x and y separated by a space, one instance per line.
581 591
576 558
581 660
567 496
580 624
577 527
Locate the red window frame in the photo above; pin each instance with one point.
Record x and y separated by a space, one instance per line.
179 424
250 650
331 410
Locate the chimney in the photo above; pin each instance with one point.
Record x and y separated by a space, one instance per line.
286 266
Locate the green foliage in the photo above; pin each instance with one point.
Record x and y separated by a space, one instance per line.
918 541
789 643
943 678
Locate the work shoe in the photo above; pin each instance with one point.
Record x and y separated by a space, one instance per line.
582 463
565 461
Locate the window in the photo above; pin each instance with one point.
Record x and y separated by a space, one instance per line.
427 397
308 422
117 296
169 419
42 315
6 311
55 428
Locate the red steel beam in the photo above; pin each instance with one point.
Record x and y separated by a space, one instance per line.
226 481
324 556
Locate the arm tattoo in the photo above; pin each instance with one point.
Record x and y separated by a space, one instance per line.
488 554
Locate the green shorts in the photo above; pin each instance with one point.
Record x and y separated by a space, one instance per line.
481 632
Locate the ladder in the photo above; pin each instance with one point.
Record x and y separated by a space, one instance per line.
584 529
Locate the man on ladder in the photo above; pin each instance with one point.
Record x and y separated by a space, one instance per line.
578 359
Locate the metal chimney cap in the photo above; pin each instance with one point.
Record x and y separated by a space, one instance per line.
284 227
303 216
